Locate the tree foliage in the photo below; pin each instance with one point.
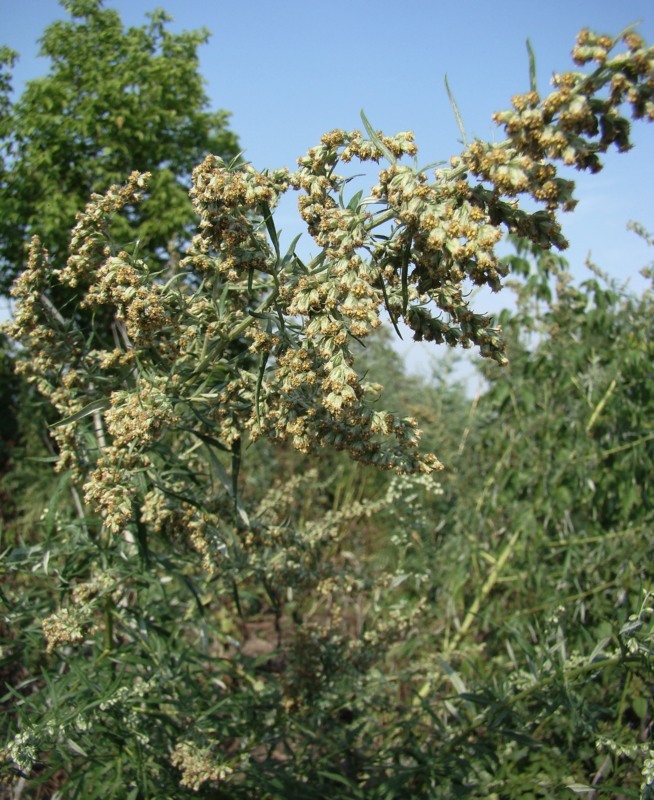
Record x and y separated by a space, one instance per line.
115 99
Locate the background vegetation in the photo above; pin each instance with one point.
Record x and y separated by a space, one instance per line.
217 592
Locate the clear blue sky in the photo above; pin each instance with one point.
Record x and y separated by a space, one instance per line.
291 70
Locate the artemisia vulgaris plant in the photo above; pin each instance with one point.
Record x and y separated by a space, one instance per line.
163 383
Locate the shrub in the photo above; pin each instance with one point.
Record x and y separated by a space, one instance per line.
192 627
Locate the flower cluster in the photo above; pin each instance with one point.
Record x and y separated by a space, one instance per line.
123 283
110 490
88 246
198 765
64 627
136 417
23 749
572 124
243 342
227 200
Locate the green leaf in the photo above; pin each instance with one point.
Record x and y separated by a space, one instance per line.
455 108
91 408
338 778
290 253
389 310
455 678
270 226
355 200
76 748
257 392
532 67
581 788
374 138
640 706
406 258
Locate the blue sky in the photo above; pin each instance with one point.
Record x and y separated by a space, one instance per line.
289 71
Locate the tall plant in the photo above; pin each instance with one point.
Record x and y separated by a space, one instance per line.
136 634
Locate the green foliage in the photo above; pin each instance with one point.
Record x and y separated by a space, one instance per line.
115 99
201 612
552 529
8 402
593 365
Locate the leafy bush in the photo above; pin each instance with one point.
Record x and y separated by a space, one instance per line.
195 620
548 539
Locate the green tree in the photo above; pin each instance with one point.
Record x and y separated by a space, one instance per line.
115 99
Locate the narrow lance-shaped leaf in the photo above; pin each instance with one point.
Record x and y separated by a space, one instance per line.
532 67
91 408
374 138
457 114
